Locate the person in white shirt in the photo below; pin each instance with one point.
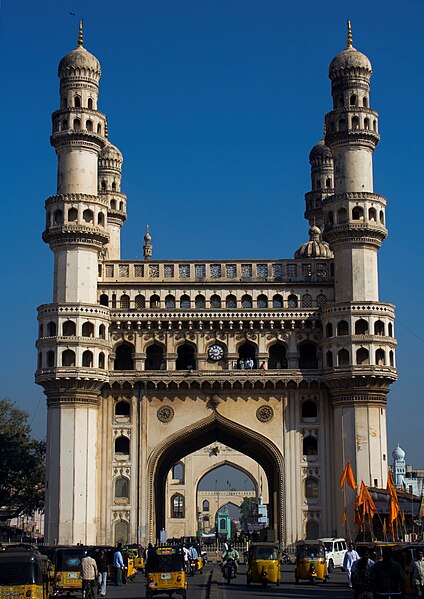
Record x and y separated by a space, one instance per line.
418 573
350 557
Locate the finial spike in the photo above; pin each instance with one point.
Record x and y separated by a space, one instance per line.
325 129
349 34
106 131
80 38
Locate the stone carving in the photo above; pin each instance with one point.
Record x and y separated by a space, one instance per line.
264 413
165 414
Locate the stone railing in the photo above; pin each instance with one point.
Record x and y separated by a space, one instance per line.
213 271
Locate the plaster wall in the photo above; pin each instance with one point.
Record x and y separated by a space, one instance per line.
77 171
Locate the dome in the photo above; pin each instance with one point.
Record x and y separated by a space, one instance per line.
111 152
398 454
81 59
320 151
315 247
347 60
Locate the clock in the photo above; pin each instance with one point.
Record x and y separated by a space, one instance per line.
216 352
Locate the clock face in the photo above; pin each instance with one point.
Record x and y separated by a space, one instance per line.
216 352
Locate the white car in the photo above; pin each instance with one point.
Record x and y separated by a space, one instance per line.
335 550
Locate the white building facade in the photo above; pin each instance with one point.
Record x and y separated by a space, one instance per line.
288 362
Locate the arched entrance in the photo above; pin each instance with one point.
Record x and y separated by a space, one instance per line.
192 438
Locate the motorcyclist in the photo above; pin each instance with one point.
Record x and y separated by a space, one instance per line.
230 553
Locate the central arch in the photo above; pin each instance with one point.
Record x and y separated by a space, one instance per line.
232 434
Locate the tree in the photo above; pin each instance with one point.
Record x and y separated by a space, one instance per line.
247 512
22 464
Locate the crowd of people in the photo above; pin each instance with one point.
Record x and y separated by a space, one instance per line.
371 579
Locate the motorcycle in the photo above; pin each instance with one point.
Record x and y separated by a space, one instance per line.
229 570
285 558
192 569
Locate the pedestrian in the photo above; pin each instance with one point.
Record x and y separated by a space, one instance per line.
361 576
241 364
89 575
350 557
387 576
418 573
118 564
102 568
262 366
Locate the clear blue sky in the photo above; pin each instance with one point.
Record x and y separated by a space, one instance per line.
215 105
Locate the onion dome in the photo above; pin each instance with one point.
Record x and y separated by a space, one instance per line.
111 152
349 60
79 62
398 453
320 151
315 247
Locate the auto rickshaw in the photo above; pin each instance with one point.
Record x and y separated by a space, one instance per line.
23 574
263 564
310 561
406 554
65 570
165 572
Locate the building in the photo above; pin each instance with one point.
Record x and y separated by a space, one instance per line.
404 477
145 362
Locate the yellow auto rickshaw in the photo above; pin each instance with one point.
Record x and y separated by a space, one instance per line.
66 567
263 564
23 574
165 572
310 561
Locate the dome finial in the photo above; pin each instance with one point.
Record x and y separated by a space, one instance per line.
349 34
106 131
80 39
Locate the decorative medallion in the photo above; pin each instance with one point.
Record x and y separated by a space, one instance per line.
264 413
165 414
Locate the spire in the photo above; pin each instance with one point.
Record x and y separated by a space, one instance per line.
349 34
80 35
147 247
106 131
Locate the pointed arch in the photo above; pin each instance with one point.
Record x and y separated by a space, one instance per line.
215 428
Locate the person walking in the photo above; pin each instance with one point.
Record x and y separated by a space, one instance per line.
89 575
118 564
350 557
102 568
387 576
361 576
418 573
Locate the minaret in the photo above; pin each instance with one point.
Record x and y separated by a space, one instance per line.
73 346
354 215
322 181
358 345
110 175
147 247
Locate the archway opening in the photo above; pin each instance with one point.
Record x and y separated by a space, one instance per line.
154 357
185 357
247 355
208 431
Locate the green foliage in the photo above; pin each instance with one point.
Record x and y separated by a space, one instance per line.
247 512
22 464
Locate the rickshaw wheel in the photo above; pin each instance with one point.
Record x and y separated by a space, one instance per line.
264 584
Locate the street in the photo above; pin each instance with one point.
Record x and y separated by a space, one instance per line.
210 585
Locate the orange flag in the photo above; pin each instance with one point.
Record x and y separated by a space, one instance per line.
394 502
384 526
369 505
347 477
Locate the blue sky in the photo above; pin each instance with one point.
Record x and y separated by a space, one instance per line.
215 105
